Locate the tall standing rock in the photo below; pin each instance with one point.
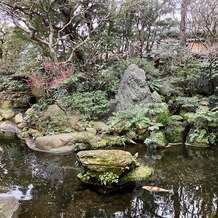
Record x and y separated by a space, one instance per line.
133 88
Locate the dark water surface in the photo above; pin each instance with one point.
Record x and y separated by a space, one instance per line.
47 187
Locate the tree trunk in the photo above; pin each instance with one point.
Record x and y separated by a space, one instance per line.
184 8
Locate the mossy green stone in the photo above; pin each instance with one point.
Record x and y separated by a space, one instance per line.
198 138
174 130
136 174
116 161
159 139
107 140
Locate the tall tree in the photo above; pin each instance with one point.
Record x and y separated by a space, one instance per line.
183 20
59 27
204 19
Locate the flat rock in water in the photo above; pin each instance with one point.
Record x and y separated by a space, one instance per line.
9 207
7 126
116 161
61 143
54 141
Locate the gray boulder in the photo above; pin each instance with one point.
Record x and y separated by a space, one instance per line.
133 88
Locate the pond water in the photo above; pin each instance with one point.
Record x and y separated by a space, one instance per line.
47 187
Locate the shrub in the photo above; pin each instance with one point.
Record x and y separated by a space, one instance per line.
10 84
93 104
108 178
151 116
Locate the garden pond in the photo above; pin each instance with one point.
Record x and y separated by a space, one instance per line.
47 186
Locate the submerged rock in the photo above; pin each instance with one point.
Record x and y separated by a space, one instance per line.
7 135
8 130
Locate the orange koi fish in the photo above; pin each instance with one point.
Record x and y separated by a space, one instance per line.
156 189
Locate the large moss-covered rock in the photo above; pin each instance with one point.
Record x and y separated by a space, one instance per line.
110 168
157 139
116 161
97 142
174 130
54 120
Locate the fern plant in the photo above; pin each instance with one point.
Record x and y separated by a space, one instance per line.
205 123
151 117
92 104
108 178
203 117
188 103
131 119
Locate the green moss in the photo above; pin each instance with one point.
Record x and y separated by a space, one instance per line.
175 129
109 178
99 126
139 173
176 118
108 140
157 139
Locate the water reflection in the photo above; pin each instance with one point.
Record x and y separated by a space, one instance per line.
46 185
20 193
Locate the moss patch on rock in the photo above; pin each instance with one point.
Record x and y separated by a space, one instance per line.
157 139
174 130
138 173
